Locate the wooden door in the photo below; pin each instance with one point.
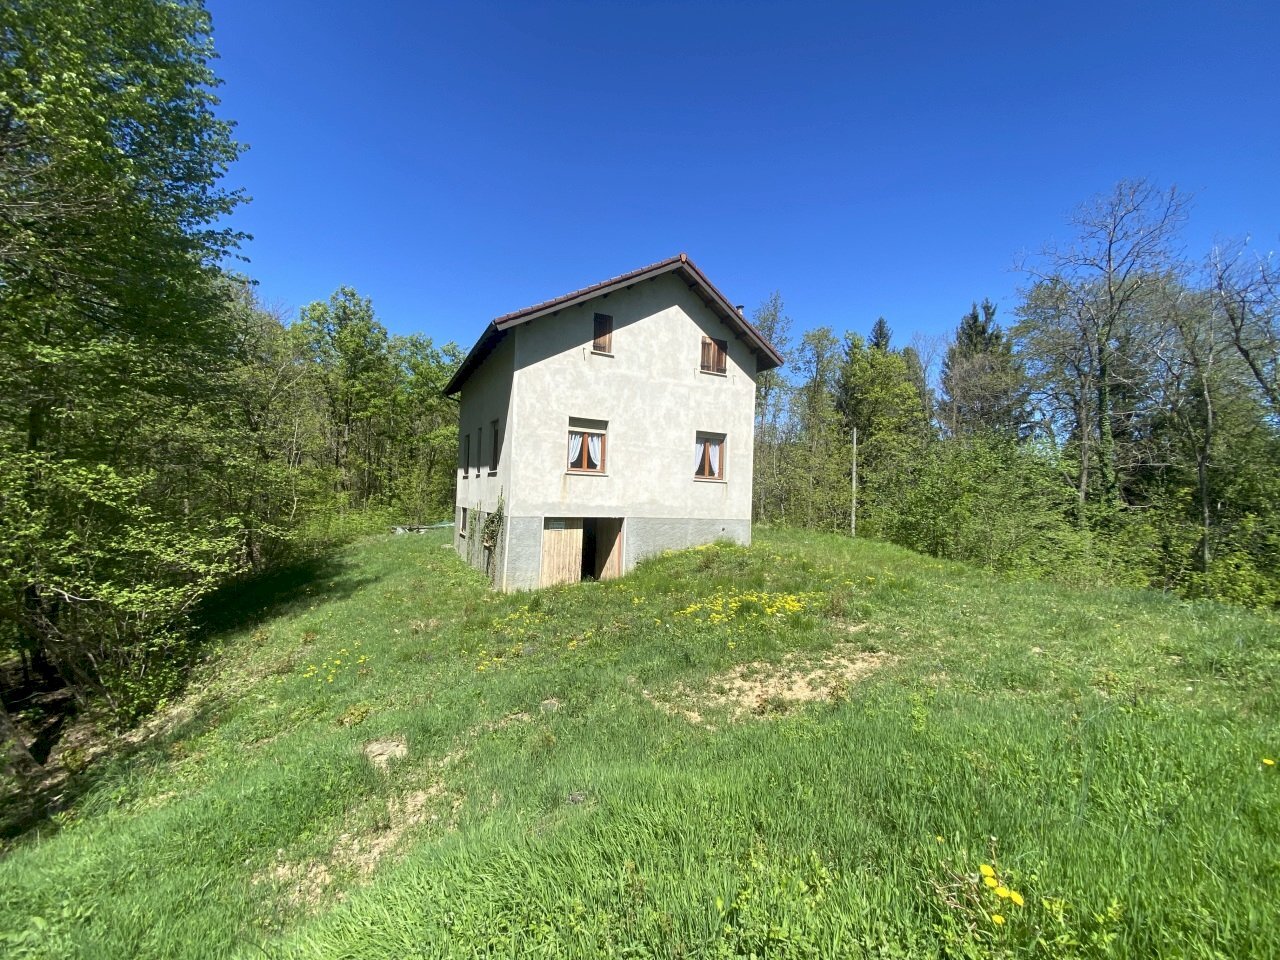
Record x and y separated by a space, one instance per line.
609 547
561 551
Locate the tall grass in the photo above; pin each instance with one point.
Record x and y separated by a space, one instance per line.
1101 752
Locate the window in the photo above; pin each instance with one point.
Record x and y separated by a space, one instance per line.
714 354
708 456
587 443
603 342
496 447
462 523
465 457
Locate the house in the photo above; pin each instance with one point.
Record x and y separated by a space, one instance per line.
606 425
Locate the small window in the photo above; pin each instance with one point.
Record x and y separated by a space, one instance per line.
603 342
496 447
708 456
462 523
587 443
465 457
714 355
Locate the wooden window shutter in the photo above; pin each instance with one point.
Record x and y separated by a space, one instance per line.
603 334
714 354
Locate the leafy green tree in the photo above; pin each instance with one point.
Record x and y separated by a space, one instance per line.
773 394
817 452
919 378
112 331
355 374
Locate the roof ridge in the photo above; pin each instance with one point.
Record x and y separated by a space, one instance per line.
582 291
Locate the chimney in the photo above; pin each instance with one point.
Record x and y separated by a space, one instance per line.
741 307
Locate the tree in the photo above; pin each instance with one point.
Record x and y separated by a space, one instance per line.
1081 307
816 453
881 335
350 349
112 329
772 399
1248 294
983 384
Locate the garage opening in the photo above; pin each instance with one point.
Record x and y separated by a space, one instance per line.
581 548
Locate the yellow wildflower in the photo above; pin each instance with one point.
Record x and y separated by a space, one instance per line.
1016 897
991 881
938 838
1268 762
997 920
986 870
1002 892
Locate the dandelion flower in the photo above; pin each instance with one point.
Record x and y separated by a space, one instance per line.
1002 893
1016 897
986 870
1268 762
938 838
997 920
991 881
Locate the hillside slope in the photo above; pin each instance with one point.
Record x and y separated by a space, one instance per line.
812 747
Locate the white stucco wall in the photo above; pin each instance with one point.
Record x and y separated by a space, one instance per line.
486 397
654 397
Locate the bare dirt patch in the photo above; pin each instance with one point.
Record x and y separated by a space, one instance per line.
759 689
382 752
358 850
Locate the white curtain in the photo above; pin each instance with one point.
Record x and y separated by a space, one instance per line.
593 451
713 447
575 448
697 457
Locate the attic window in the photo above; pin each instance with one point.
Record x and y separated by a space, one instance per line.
714 355
603 335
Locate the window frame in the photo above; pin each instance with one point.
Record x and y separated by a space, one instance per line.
584 470
462 528
708 436
719 356
496 445
465 455
602 344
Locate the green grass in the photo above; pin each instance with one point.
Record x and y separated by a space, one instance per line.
1102 750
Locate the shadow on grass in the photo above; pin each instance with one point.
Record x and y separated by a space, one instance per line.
32 809
284 589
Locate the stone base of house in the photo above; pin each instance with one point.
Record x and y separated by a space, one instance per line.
517 561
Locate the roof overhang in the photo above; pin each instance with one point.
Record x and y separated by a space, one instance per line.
767 356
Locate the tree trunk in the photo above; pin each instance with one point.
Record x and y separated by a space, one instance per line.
1202 477
1106 439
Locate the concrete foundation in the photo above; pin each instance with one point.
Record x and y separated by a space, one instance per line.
515 563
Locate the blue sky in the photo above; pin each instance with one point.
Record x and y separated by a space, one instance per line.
457 162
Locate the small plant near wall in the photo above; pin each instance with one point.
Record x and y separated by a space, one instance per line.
492 533
473 531
493 524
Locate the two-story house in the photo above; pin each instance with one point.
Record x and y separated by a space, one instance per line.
608 424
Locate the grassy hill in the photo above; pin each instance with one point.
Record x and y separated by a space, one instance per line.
812 747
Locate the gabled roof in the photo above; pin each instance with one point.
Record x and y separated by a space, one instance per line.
681 265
